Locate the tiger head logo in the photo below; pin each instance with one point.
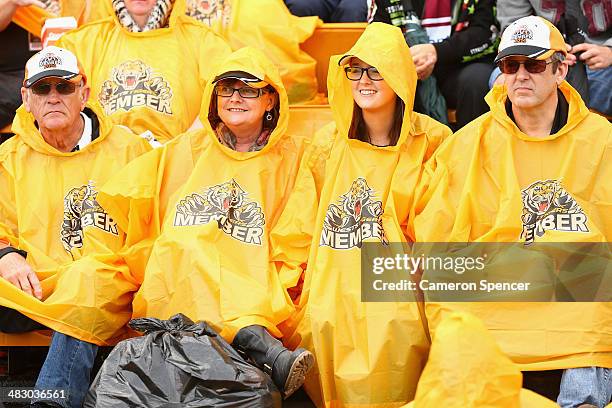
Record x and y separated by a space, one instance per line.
357 197
81 210
226 203
521 35
50 61
543 203
131 74
135 84
226 196
356 216
539 197
71 231
209 11
354 206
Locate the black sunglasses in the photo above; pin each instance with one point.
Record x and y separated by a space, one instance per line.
62 87
533 66
245 92
355 73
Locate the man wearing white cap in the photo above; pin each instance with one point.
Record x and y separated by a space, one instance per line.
538 159
62 150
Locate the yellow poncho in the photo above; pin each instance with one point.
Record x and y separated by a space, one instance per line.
485 181
151 80
368 354
212 208
264 24
467 369
48 208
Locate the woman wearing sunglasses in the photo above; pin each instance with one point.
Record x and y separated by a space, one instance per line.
355 189
200 210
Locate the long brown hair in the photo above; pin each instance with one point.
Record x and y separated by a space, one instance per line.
214 119
359 130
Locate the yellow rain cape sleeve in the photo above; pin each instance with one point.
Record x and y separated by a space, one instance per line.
32 18
467 369
211 258
486 184
151 80
367 354
48 208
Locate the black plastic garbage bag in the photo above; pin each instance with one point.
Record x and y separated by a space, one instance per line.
178 363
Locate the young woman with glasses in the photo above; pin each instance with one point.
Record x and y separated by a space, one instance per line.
354 191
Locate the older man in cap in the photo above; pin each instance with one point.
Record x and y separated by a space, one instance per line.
535 169
63 149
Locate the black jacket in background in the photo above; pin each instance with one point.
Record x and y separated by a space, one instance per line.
476 40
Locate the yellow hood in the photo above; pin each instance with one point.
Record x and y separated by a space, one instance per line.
466 368
496 99
254 62
24 127
383 46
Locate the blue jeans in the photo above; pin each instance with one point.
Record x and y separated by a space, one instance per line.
586 385
600 83
67 367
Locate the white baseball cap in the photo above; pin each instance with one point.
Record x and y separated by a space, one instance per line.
51 62
533 37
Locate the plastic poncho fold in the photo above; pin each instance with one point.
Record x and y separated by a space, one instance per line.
482 186
279 35
367 354
148 81
209 210
48 208
467 369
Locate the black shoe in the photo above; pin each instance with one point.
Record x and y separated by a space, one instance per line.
287 368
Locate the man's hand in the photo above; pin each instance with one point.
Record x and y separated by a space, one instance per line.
15 269
594 56
570 59
425 58
8 8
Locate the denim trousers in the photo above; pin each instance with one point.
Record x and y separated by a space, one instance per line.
600 83
67 367
585 385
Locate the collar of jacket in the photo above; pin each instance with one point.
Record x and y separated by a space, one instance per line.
577 112
24 127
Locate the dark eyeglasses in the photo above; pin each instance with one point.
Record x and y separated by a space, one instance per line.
533 66
355 73
62 87
245 92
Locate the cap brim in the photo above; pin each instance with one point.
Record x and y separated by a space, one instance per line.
345 59
528 51
249 79
56 73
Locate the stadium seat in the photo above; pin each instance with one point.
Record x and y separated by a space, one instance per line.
305 120
331 39
35 338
